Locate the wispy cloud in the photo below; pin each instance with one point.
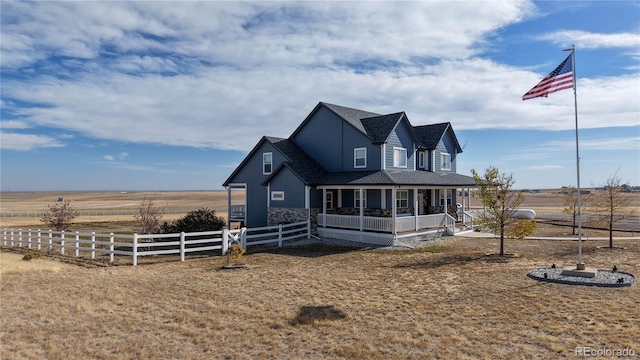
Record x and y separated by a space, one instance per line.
25 142
173 74
587 40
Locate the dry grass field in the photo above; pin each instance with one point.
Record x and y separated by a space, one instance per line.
109 202
316 302
312 302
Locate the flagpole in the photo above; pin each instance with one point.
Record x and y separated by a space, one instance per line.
580 265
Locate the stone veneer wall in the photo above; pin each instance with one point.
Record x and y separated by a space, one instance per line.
278 216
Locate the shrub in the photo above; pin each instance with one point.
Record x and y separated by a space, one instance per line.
59 216
235 253
203 219
31 255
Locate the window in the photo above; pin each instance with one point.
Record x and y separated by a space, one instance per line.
421 160
267 163
449 197
360 158
329 200
356 198
402 198
277 195
445 161
399 157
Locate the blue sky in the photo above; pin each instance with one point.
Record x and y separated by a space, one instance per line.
170 95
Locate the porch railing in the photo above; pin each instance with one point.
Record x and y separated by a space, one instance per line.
237 211
385 224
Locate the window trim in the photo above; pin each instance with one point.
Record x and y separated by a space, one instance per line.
399 151
398 199
421 158
277 196
356 193
355 158
445 161
265 163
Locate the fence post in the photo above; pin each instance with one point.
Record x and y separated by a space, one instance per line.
182 246
62 242
11 237
29 238
19 237
93 244
4 236
280 235
135 249
243 238
77 243
39 239
111 248
309 229
225 241
50 240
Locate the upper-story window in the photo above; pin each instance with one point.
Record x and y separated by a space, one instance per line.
267 163
356 198
421 160
360 158
399 157
445 161
402 198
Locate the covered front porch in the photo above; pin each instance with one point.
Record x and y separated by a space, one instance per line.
381 215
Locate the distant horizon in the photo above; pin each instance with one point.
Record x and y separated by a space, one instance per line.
225 190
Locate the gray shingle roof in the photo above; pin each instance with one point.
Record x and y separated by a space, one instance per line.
379 127
383 177
299 162
430 135
352 116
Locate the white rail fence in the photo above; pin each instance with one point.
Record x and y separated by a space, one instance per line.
137 245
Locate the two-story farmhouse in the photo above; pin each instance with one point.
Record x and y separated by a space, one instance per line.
356 175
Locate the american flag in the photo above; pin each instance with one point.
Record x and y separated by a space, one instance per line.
559 79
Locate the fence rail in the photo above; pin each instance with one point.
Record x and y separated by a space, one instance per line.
136 245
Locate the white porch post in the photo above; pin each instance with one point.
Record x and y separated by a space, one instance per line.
383 199
339 197
393 210
415 208
361 209
229 207
324 207
464 218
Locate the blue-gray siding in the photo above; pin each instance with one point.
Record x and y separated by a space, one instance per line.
331 142
293 188
251 175
400 138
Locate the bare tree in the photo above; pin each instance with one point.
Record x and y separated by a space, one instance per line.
571 204
495 191
148 216
610 205
60 215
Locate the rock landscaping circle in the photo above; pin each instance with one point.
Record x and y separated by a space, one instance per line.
603 278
